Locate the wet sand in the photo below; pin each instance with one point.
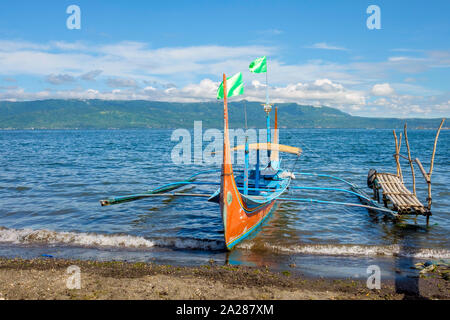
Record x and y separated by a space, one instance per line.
44 279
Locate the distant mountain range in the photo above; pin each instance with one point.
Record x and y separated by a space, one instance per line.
102 114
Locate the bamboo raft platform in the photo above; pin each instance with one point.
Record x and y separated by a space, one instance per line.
395 195
403 200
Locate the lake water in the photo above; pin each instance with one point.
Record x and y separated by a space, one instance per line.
51 183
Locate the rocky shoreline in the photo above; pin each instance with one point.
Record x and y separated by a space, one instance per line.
47 279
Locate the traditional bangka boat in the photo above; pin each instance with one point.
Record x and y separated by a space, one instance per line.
243 212
248 197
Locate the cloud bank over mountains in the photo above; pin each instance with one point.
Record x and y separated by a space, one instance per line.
134 70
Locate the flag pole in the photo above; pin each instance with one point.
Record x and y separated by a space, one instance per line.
267 86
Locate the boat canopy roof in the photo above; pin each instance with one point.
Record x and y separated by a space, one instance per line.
270 146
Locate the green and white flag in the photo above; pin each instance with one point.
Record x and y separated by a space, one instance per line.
235 86
259 65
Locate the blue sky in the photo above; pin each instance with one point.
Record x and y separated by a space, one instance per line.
319 52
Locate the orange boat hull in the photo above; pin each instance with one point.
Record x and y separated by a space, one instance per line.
239 219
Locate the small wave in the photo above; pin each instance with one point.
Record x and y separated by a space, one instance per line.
47 237
190 243
354 250
29 236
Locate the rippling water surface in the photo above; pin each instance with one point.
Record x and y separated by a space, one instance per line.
51 183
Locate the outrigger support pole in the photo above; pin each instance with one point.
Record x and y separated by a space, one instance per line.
144 195
335 203
330 189
158 191
324 176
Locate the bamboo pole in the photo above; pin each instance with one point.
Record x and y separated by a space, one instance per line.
424 173
117 200
399 148
396 156
410 160
434 147
432 163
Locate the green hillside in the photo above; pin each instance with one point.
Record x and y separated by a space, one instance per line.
101 114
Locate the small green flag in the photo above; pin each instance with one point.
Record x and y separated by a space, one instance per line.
235 86
259 65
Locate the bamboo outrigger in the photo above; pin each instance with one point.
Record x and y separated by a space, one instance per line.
248 197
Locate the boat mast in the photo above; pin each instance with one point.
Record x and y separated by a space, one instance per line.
246 153
267 109
227 169
226 166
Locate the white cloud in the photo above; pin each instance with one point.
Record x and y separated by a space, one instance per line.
149 89
382 89
121 83
60 78
322 92
9 46
206 88
9 79
32 62
325 46
412 106
91 75
273 32
406 50
410 79
125 60
73 46
183 65
403 58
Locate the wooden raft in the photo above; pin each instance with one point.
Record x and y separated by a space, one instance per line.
402 199
394 191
